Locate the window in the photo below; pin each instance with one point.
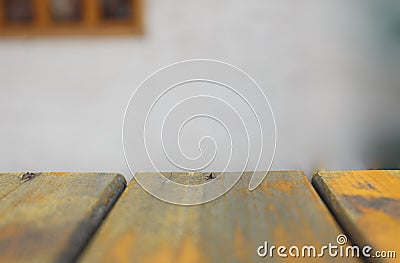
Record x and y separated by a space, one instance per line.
52 17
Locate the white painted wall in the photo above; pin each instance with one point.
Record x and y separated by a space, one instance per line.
62 99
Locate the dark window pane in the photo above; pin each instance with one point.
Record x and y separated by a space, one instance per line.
66 10
116 9
18 11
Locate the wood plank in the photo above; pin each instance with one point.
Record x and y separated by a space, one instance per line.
9 182
284 210
51 217
367 204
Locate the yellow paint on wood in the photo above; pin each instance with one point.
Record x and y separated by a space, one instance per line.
50 218
367 204
59 173
368 183
284 210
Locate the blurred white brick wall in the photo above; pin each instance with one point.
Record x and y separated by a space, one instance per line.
62 99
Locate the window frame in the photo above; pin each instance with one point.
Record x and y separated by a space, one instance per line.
91 23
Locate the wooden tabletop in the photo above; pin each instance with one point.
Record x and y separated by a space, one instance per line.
91 217
284 210
51 217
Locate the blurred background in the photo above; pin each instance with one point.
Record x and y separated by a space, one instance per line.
330 70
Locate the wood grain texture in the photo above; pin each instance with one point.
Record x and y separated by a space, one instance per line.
51 217
367 204
284 210
9 182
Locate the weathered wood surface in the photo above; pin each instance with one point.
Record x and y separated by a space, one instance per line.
284 210
9 182
51 217
367 204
